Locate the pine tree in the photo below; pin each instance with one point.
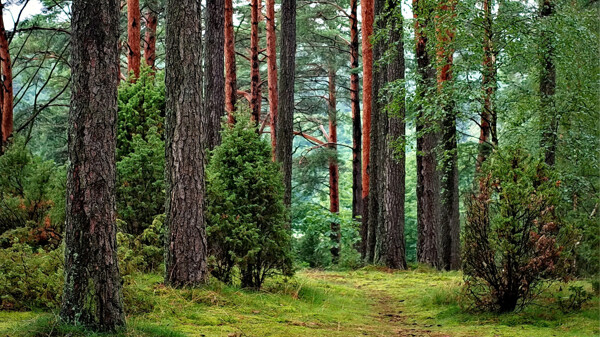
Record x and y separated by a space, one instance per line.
134 41
214 103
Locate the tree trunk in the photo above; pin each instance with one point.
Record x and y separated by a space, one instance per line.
489 85
285 120
150 38
428 182
255 96
356 124
393 248
186 249
272 71
7 83
334 174
230 67
134 56
367 8
549 115
214 107
92 292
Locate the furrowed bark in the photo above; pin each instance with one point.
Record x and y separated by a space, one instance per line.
428 182
255 99
334 174
134 55
92 291
230 66
7 83
186 246
285 119
356 123
272 71
214 103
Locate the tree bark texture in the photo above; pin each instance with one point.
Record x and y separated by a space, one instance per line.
428 182
92 292
355 107
214 63
285 119
186 246
230 66
549 116
272 71
7 83
150 37
334 173
367 8
134 38
255 95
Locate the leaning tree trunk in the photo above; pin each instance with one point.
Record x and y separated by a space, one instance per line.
7 83
150 38
549 115
134 56
393 247
334 173
272 71
255 97
186 245
367 8
214 104
285 119
356 123
428 182
92 292
230 67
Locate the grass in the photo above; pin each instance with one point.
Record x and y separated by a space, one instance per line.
369 301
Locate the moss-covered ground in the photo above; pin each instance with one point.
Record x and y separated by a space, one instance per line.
366 302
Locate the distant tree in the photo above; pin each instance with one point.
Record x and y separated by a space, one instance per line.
230 66
92 292
255 85
134 38
151 18
550 117
6 97
334 171
272 71
214 103
355 106
186 246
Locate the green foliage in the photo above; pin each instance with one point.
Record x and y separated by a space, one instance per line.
514 239
140 151
32 196
142 253
575 299
247 219
30 278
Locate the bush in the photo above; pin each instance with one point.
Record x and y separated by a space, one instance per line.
513 238
140 152
246 215
143 253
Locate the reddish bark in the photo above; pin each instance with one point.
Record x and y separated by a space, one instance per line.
134 56
230 67
367 9
254 63
7 83
272 71
334 195
150 38
355 106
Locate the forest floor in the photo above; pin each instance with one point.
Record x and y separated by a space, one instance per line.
366 302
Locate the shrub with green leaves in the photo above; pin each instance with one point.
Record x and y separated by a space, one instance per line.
247 220
142 253
140 151
514 239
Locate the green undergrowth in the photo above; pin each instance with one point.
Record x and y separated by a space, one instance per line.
369 301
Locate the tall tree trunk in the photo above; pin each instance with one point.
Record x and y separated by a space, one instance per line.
186 249
214 104
334 174
134 56
285 120
367 8
393 248
92 292
356 123
428 182
255 97
150 38
549 115
7 83
450 216
230 67
488 138
272 71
